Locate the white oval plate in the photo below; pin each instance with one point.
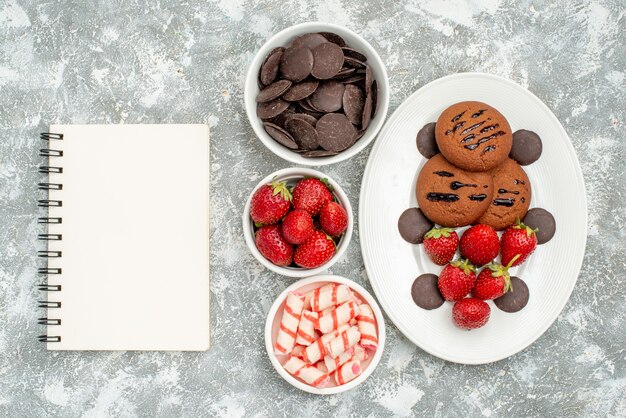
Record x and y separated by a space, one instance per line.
388 189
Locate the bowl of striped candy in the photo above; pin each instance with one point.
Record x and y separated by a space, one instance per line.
325 334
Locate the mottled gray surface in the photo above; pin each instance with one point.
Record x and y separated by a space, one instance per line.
120 62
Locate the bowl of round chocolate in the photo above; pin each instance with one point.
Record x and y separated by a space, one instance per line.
316 94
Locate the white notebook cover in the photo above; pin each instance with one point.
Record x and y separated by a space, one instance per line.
135 237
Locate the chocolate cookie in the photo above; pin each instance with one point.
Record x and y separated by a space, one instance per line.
425 292
511 196
413 224
543 221
450 196
473 136
516 299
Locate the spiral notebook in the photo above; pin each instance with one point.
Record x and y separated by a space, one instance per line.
127 259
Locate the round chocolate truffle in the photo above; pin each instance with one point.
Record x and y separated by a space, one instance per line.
516 299
425 292
413 224
426 142
526 147
542 220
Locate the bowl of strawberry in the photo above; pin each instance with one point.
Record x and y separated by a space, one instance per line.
297 222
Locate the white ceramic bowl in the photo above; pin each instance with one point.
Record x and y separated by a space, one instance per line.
251 90
291 176
273 323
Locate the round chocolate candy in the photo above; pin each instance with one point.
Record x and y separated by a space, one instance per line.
280 135
305 117
310 40
301 90
353 101
514 300
336 133
345 72
367 111
355 78
413 224
526 147
282 118
273 91
328 97
327 61
374 98
425 292
543 221
426 142
318 153
334 38
352 62
271 109
368 79
269 68
296 63
303 133
352 53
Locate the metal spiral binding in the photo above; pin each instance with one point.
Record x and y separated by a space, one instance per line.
47 203
44 220
47 152
49 339
50 169
50 186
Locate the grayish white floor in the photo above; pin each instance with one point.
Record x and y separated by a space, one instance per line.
184 62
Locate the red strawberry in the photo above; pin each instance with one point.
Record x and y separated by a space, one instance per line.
470 313
273 246
480 244
311 194
317 250
270 203
440 244
518 239
456 280
333 219
493 281
297 226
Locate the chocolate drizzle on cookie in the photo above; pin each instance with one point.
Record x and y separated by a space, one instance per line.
477 114
471 128
489 128
489 148
508 202
455 128
457 117
484 139
478 197
443 173
442 197
468 138
455 185
503 191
